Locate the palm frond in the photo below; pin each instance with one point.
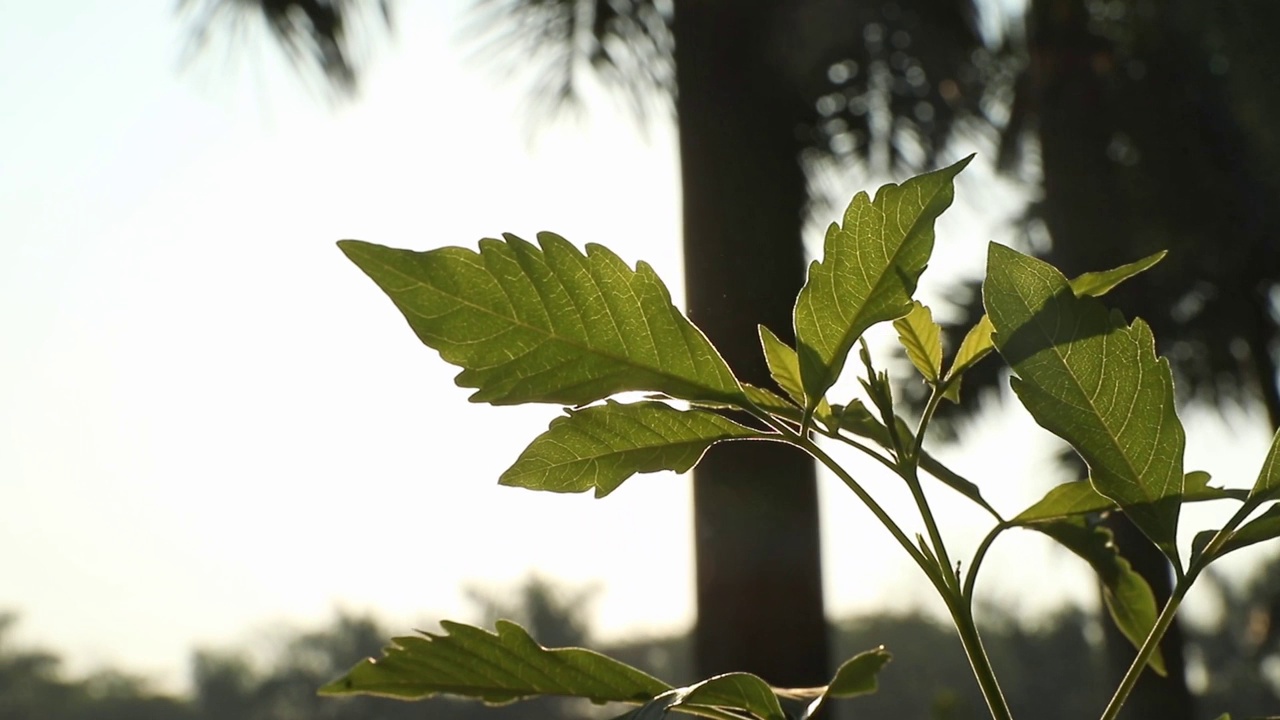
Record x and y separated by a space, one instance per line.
322 36
562 45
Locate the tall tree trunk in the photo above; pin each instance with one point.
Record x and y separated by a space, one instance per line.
759 585
1086 205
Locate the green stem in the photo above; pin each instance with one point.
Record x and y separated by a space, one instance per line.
962 616
910 471
1165 619
978 556
930 569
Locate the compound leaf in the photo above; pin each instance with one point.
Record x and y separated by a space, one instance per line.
598 447
1095 382
1126 594
494 667
548 323
868 272
921 337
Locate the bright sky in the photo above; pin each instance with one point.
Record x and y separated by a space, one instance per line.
210 422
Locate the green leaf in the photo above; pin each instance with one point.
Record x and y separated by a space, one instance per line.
1126 594
1079 498
1267 486
975 346
1097 284
784 367
868 272
494 667
598 447
977 342
547 323
1260 529
1094 382
922 339
734 691
857 676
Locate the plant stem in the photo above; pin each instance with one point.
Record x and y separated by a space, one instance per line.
1165 619
962 616
910 470
930 569
978 556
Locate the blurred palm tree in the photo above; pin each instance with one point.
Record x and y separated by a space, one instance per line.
1139 125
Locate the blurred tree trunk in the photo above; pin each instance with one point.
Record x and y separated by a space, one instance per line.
759 585
1086 205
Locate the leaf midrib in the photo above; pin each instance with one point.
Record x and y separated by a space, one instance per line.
847 338
621 360
1112 439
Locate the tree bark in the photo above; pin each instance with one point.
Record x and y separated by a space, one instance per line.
759 585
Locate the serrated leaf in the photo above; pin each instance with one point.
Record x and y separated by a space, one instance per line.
599 447
1126 594
548 323
975 346
784 367
921 337
977 342
1095 382
1267 486
494 667
868 272
1097 284
734 691
1079 498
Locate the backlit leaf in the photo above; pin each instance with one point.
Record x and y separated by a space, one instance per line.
1079 498
1126 594
1267 486
494 667
868 272
977 342
784 367
975 346
922 339
1097 284
548 323
1095 382
1260 529
857 675
598 447
734 691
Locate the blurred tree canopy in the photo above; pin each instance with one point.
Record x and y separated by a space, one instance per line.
1052 669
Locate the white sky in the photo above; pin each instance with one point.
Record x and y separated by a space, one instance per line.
210 422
